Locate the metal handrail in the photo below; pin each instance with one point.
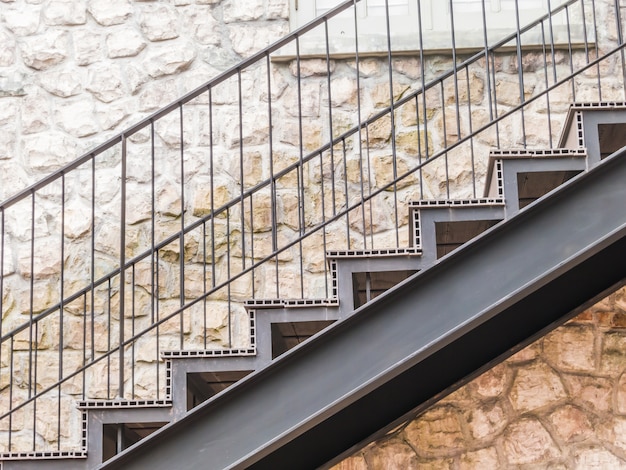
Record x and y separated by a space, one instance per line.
246 194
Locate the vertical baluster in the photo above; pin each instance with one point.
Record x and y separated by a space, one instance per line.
392 116
181 238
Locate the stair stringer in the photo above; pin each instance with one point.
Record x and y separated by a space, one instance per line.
368 369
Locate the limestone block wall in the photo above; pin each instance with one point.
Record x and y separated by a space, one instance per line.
73 72
560 403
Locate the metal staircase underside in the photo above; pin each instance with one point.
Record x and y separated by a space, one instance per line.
298 398
435 330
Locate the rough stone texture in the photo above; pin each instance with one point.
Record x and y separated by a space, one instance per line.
570 416
75 72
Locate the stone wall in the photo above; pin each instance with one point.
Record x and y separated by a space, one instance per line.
73 72
560 403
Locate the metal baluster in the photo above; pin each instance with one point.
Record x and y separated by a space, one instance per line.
520 71
392 116
122 292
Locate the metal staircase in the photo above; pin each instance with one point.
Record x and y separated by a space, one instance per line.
376 308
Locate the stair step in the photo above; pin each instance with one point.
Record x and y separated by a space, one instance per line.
123 404
437 203
444 225
47 455
598 127
289 303
178 354
373 253
115 425
494 184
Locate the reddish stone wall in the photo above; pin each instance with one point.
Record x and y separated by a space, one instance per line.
560 403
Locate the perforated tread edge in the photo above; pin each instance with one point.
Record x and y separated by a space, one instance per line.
408 251
456 203
44 455
113 404
209 353
280 303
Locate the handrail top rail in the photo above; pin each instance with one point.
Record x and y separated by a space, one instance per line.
234 70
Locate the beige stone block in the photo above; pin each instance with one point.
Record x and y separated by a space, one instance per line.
288 209
8 112
46 296
124 43
529 353
379 94
169 59
87 46
7 150
159 22
276 9
508 89
378 133
436 433
223 192
474 95
415 143
110 12
309 105
204 27
528 442
44 51
408 66
492 383
411 113
77 118
355 462
486 420
613 353
571 348
63 83
7 53
621 394
612 431
65 12
375 216
136 77
46 261
534 387
243 10
310 67
391 454
368 67
596 457
260 218
22 21
111 115
247 38
482 458
571 423
343 91
35 118
105 83
253 128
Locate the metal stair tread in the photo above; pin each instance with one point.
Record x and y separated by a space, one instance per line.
496 156
281 303
374 253
47 455
435 203
125 403
235 352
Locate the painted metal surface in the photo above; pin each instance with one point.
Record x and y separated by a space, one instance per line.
528 257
